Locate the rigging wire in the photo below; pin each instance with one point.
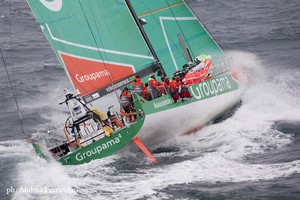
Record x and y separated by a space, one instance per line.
14 95
94 38
12 86
11 46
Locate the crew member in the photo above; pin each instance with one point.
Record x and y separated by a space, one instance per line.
126 100
175 86
166 86
178 89
146 94
152 86
138 86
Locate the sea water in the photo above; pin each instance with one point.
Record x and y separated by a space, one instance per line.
252 152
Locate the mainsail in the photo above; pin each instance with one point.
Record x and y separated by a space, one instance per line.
97 41
166 19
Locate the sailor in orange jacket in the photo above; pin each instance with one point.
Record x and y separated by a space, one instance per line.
174 86
152 86
160 89
179 89
166 86
138 86
146 94
126 100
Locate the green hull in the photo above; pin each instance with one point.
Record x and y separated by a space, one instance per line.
102 148
38 150
106 146
165 119
218 85
164 108
101 48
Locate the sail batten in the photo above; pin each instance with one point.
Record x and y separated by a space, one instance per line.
98 43
95 48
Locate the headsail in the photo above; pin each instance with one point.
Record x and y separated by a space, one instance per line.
165 20
97 42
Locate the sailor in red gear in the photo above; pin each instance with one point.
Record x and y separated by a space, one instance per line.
182 89
138 86
174 86
146 94
178 89
166 86
126 100
152 86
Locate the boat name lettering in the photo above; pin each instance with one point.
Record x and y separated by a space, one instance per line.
120 84
162 103
211 87
93 76
98 149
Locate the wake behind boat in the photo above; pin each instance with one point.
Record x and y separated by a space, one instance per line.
105 45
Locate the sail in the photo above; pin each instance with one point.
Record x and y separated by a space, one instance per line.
166 19
98 43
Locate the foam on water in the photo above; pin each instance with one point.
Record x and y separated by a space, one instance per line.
34 178
217 153
220 150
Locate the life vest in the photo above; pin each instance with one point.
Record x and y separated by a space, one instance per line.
152 88
173 86
138 86
152 83
137 89
124 100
